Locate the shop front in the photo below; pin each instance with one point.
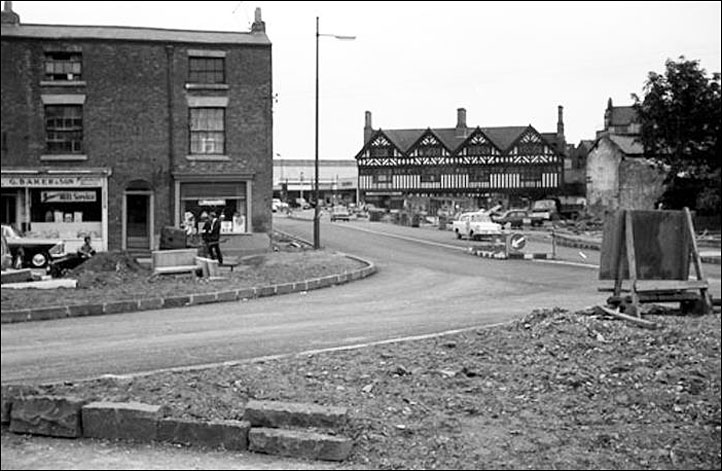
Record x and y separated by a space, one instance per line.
227 196
58 204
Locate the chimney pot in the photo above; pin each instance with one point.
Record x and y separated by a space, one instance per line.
461 122
258 26
368 129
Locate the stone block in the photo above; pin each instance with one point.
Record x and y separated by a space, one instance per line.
177 301
307 445
46 415
291 414
121 421
9 394
227 434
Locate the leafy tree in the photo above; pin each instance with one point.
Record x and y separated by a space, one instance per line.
680 125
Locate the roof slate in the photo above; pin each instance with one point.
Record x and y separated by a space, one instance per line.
132 34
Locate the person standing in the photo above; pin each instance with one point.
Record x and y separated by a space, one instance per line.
214 238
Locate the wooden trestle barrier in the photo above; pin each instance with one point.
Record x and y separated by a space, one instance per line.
652 249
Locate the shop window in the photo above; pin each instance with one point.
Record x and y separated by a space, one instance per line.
64 129
66 66
207 131
198 200
206 70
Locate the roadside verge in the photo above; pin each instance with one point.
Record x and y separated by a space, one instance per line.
144 304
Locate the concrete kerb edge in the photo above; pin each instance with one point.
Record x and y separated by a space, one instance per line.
144 304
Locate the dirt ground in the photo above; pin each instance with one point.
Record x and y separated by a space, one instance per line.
556 390
115 276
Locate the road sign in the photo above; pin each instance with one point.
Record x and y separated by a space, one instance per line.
515 242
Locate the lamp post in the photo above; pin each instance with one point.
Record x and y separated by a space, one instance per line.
316 209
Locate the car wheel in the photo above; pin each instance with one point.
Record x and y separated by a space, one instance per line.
39 260
458 235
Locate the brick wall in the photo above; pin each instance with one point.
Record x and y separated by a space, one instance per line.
126 118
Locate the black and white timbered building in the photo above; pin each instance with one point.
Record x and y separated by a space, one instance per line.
511 164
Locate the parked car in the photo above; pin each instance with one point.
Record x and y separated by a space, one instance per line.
340 213
6 260
31 252
475 226
278 205
517 218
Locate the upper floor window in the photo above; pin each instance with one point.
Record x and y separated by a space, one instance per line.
208 130
63 66
206 70
64 129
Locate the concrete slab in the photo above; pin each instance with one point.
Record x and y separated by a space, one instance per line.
44 284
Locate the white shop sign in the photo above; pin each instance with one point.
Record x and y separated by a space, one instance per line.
67 196
49 182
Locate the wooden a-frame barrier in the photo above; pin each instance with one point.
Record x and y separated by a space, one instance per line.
652 250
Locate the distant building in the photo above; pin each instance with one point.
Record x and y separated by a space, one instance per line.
119 131
472 166
295 178
619 175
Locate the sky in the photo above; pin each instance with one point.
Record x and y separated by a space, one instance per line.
413 64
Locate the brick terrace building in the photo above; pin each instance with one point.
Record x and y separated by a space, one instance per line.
118 131
430 168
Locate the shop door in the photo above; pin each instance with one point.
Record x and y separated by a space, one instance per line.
138 222
7 210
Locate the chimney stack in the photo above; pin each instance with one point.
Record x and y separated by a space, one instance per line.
368 130
561 139
560 122
9 17
461 122
258 26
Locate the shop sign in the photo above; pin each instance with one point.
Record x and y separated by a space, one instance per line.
211 202
49 182
67 196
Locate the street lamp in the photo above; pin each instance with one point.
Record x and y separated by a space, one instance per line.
316 214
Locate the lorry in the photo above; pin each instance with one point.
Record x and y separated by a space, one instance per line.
558 207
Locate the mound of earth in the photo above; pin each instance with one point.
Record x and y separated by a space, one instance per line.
108 268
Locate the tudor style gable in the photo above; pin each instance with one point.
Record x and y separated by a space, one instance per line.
428 150
478 149
379 151
531 148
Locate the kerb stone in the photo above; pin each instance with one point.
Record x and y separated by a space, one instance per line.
308 445
47 415
289 414
121 421
227 434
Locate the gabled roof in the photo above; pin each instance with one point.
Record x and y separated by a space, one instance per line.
622 116
629 145
503 137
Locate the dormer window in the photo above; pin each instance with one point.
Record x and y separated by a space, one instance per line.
63 66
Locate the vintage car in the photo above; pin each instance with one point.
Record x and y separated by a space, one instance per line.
31 252
517 218
340 213
476 226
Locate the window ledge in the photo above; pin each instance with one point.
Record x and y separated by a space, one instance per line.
64 157
206 86
208 158
62 83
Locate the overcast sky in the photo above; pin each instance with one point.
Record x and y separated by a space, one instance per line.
414 63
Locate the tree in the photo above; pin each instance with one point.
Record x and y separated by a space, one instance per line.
680 125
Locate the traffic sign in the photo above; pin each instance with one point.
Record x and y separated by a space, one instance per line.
515 242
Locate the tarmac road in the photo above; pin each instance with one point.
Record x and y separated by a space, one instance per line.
419 289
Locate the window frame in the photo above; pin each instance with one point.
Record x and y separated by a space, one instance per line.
193 149
63 129
52 59
200 72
